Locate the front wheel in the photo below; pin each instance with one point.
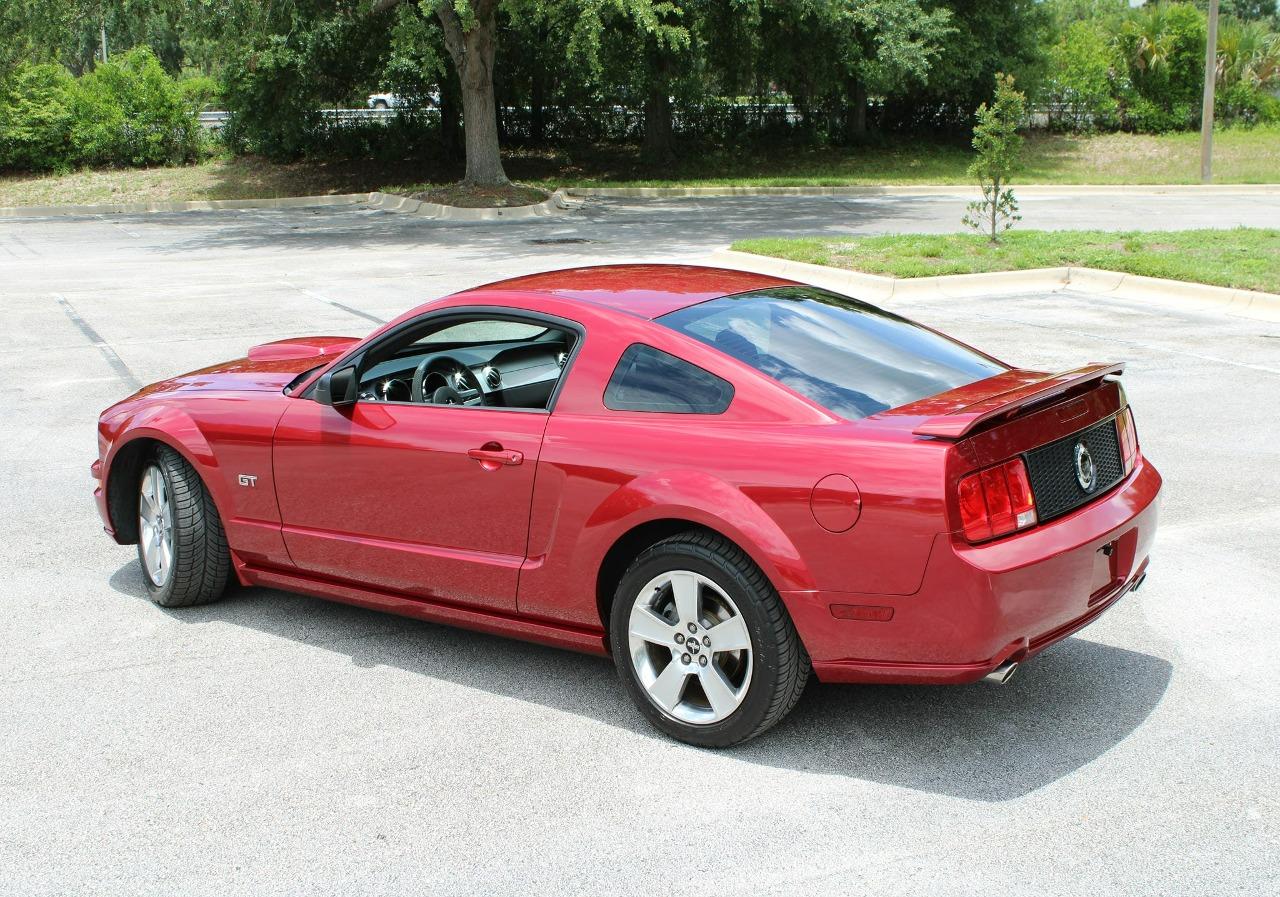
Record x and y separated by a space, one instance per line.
181 544
703 642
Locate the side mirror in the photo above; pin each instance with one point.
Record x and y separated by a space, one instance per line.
337 388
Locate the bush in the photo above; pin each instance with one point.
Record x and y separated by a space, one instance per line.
1080 86
130 112
1248 104
1163 47
200 93
36 119
127 112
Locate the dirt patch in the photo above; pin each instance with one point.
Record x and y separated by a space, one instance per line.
469 196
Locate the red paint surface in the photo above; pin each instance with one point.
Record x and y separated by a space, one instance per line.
390 506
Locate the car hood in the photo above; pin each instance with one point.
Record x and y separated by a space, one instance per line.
266 368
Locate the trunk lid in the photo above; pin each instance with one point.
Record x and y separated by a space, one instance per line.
1062 426
967 409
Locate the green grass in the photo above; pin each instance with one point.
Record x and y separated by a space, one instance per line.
1247 258
1241 156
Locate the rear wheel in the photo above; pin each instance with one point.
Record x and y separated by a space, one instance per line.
181 544
703 642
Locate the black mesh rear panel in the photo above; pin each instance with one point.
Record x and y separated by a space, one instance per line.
1052 469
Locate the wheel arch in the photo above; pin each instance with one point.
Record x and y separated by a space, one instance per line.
629 546
130 452
663 505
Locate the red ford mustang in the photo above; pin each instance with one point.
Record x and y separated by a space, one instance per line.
723 479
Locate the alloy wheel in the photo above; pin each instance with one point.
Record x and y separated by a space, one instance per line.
690 647
155 523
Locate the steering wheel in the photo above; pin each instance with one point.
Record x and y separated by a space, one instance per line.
452 383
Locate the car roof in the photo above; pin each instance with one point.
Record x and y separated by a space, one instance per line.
644 290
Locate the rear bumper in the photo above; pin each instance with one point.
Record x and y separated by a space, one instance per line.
979 606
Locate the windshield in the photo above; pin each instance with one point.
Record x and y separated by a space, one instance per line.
850 357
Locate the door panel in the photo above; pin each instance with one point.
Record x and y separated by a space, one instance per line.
430 501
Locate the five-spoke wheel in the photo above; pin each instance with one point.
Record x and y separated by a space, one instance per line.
155 526
703 642
181 546
690 647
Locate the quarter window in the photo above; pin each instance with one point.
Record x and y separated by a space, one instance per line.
648 379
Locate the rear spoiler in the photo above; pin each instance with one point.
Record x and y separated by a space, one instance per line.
1006 404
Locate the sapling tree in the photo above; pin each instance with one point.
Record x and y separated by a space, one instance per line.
998 145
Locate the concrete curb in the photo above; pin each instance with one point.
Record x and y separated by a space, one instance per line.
558 203
873 287
133 208
961 190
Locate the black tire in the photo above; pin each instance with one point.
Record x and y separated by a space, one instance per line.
201 561
780 663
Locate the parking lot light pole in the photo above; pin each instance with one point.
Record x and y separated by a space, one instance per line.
1206 109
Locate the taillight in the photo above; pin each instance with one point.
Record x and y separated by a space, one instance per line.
996 501
1128 436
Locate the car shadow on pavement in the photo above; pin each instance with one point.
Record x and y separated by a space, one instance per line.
1063 710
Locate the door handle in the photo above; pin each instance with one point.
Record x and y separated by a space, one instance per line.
493 458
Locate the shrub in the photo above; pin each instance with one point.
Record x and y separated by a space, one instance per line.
36 119
1080 86
199 93
1247 104
130 112
125 112
1163 48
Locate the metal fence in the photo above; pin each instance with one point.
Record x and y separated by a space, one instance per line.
622 122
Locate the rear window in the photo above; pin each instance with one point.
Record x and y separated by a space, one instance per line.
648 379
849 357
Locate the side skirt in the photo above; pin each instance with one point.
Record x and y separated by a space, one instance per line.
557 635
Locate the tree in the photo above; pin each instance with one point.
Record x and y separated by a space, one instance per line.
1248 10
998 145
989 36
471 39
834 55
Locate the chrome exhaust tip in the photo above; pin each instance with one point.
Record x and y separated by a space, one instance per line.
1003 673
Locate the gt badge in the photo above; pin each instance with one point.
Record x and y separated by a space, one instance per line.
248 480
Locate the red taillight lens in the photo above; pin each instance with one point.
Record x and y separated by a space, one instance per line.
996 501
1128 437
973 509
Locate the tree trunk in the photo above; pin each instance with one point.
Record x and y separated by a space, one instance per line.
538 93
857 126
658 147
473 52
450 119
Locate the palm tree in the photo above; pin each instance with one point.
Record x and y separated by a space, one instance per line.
1146 39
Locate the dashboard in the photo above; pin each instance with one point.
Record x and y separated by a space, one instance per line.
510 375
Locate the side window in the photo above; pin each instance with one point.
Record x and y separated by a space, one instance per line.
496 361
647 379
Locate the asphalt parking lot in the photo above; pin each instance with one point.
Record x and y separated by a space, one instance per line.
274 744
